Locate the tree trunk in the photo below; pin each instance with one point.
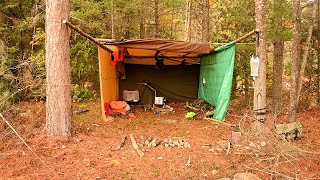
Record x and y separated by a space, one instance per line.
188 21
278 47
58 74
156 18
295 62
306 51
142 20
318 74
112 20
205 21
259 101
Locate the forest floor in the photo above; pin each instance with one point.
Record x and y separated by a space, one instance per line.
87 154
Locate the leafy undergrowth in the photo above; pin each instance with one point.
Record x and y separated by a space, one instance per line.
87 154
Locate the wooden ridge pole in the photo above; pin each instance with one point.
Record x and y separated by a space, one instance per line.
246 36
86 35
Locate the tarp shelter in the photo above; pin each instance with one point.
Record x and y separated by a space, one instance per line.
139 53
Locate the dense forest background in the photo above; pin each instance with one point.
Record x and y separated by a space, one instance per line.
22 42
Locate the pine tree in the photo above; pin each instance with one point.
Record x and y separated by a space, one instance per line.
58 70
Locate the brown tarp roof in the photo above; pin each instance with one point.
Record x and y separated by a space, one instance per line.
165 45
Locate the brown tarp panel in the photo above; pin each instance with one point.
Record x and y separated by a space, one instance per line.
175 83
165 45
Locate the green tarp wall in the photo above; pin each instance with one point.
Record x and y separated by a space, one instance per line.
216 73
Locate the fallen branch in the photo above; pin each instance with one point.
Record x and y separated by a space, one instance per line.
221 122
136 147
271 172
120 145
192 108
5 120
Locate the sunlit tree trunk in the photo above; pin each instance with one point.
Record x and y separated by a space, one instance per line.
188 21
295 61
58 72
205 20
259 102
112 20
306 50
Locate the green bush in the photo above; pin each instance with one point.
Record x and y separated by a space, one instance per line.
81 94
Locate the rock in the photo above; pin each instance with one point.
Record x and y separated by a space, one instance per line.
224 179
245 176
289 131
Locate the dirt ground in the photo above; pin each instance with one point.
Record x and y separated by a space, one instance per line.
87 154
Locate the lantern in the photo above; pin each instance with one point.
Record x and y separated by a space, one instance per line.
254 65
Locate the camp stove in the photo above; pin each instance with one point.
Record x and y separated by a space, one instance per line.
158 100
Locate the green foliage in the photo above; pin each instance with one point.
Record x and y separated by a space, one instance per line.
279 20
81 94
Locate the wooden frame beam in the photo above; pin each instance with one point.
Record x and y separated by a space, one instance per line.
86 35
256 31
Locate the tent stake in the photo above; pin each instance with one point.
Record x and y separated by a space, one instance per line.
86 35
246 36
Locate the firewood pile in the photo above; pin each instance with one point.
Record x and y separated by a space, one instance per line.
150 142
177 143
167 143
201 107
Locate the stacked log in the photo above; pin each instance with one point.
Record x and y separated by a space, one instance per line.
181 143
152 142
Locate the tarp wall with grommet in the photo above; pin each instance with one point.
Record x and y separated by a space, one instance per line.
216 74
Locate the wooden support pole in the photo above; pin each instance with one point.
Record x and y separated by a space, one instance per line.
246 36
86 35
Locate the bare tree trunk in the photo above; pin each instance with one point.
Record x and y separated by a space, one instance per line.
318 72
156 18
295 62
278 46
142 20
112 20
58 74
205 21
259 101
188 21
277 76
306 51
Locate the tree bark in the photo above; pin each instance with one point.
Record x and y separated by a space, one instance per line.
112 20
278 46
205 21
259 102
306 51
318 74
277 76
188 21
142 20
156 18
295 62
58 71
